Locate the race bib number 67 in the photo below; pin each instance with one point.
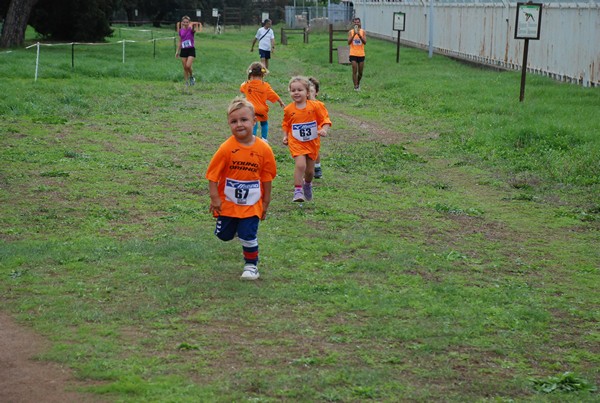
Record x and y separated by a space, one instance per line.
305 131
244 193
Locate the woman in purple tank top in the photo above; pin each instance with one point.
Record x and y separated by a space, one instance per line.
185 47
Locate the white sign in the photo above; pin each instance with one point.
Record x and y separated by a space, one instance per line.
399 19
198 13
529 19
215 12
265 16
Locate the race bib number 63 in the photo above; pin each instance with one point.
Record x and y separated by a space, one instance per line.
305 131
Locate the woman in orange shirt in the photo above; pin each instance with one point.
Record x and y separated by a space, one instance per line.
357 39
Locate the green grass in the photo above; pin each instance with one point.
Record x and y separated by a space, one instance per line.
451 252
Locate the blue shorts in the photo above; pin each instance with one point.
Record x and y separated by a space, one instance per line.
245 228
264 54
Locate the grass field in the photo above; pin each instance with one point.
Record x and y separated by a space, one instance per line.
451 252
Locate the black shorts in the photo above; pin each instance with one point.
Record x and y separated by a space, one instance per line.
187 52
264 54
357 59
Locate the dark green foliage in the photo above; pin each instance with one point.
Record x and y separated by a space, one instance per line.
73 20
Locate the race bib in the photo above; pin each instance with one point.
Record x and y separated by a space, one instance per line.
243 193
357 41
305 131
186 44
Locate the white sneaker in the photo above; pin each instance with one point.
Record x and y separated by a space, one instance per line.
298 196
250 272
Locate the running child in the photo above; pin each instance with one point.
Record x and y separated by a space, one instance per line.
314 92
258 92
304 122
240 176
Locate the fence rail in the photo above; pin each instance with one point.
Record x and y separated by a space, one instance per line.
483 32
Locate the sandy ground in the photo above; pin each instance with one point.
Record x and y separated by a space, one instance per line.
24 379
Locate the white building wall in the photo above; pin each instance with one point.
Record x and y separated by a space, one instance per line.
483 32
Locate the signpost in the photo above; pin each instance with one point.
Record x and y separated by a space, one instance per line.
399 19
527 26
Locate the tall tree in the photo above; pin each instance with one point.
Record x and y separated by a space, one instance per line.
15 23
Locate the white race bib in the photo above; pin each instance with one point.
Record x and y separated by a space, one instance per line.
244 193
305 131
186 44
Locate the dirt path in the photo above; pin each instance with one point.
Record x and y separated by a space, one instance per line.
23 379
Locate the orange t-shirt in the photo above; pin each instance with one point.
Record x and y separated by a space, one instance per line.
258 93
301 125
357 48
240 172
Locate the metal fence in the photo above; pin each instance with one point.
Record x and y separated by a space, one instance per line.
318 17
482 31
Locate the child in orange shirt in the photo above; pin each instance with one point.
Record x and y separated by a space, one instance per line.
239 176
304 122
258 92
314 92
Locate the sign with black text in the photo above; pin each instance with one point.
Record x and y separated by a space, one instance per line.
399 19
529 19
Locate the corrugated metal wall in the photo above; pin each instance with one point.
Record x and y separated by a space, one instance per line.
483 32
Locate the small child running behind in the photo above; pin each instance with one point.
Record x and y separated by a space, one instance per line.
240 176
258 92
314 93
304 122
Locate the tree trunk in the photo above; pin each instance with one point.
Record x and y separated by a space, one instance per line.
17 17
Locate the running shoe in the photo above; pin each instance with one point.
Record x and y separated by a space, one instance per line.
192 80
318 173
250 272
298 196
307 187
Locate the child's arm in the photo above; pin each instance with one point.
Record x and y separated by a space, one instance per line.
281 103
215 199
267 186
324 129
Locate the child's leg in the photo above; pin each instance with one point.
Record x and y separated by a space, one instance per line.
309 173
318 170
300 170
247 232
264 129
226 228
308 177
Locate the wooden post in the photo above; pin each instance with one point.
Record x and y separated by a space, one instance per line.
330 43
398 49
524 70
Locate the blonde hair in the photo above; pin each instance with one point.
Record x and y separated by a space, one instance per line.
302 80
239 103
185 17
257 69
